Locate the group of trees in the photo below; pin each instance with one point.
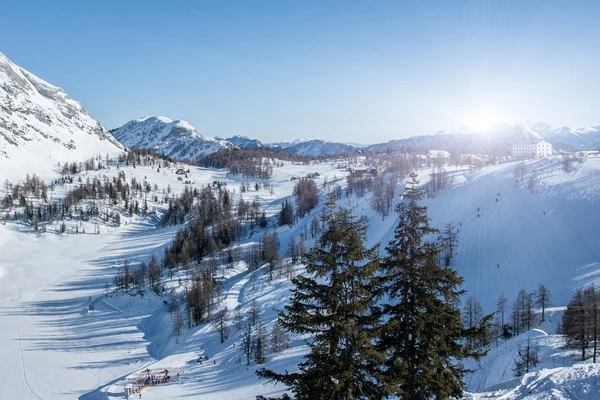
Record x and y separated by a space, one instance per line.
383 327
524 315
100 197
359 184
307 196
134 279
250 163
440 178
581 322
384 190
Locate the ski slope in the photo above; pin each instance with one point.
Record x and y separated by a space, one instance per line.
524 239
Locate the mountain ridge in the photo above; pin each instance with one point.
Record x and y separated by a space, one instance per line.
173 138
40 125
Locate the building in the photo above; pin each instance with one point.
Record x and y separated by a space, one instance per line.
538 148
471 159
438 157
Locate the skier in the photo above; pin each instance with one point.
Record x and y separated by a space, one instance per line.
544 212
497 265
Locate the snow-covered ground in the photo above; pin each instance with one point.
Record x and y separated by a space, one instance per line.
63 338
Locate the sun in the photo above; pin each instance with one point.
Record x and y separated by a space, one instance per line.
481 120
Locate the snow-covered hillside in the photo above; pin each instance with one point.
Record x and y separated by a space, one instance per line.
176 139
67 339
41 126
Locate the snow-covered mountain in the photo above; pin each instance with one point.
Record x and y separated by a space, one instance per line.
286 144
567 137
499 137
245 141
41 126
317 148
173 138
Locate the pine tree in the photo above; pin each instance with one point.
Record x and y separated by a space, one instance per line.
543 299
472 315
335 302
504 330
260 344
424 337
220 325
449 241
279 340
286 215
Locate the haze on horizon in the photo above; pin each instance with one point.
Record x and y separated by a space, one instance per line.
339 70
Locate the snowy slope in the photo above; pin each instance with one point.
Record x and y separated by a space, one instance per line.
176 139
67 352
547 234
40 126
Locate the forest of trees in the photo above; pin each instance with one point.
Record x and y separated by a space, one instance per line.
250 163
103 197
409 345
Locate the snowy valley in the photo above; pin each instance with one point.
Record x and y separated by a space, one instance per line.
105 239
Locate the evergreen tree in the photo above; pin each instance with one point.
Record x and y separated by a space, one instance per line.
279 340
449 241
543 299
472 315
286 215
335 302
424 337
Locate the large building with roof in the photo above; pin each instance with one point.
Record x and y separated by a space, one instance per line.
538 148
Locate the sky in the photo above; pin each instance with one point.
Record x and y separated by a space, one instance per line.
350 71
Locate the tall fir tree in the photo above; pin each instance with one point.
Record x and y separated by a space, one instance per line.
424 337
336 302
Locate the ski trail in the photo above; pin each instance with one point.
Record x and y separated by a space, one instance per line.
232 298
23 369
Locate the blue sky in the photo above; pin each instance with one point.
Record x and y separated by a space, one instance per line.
360 71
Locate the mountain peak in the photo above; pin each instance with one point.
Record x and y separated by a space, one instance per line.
174 138
39 121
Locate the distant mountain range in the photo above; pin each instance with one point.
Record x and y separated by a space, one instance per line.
41 126
185 142
498 139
